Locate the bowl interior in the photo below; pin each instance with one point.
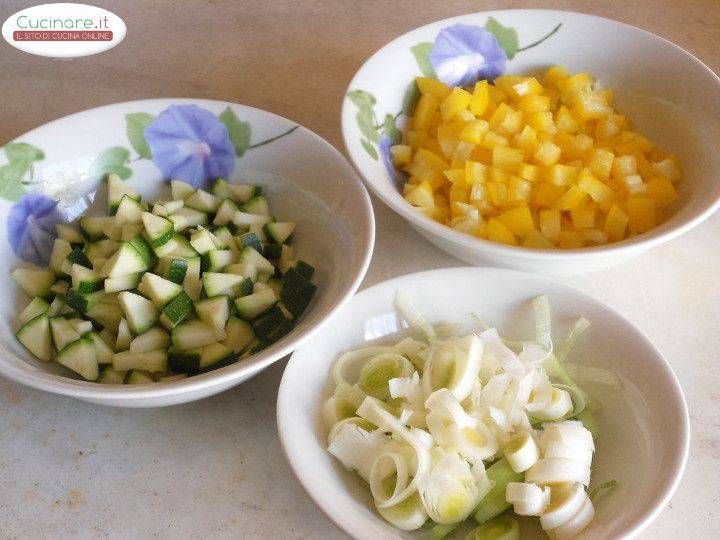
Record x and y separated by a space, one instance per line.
306 180
663 89
643 420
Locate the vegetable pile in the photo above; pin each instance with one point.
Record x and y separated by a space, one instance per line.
466 424
140 296
543 165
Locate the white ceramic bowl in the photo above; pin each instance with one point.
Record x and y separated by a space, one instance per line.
306 179
644 421
670 95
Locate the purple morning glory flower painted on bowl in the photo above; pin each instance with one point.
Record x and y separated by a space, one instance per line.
464 54
190 144
31 227
397 176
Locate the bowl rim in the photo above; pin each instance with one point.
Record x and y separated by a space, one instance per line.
58 384
396 202
636 525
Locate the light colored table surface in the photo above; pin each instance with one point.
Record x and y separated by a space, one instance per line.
214 469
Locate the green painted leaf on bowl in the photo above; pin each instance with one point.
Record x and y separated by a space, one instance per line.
507 37
135 125
369 148
11 175
390 130
238 131
421 51
111 160
361 98
23 152
366 124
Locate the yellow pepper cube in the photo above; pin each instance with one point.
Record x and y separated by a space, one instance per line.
421 196
634 185
415 138
458 100
517 87
616 223
536 240
456 177
641 213
475 172
601 162
518 220
463 151
498 116
560 175
662 191
598 191
624 166
492 140
533 103
565 121
432 86
401 154
498 193
583 217
424 111
528 172
554 76
542 121
508 159
482 155
606 129
519 189
669 169
581 144
478 193
644 167
526 140
570 240
637 145
497 232
591 105
547 153
480 98
550 223
498 175
547 195
465 116
475 131
572 198
593 237
512 123
576 83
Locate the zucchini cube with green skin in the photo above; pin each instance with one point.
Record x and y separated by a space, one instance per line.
160 290
96 228
272 252
61 250
219 284
68 233
216 355
177 270
138 376
176 311
191 335
266 324
85 280
81 326
153 361
252 256
182 248
79 356
239 334
76 256
215 313
305 270
82 303
154 339
243 220
126 261
225 212
106 315
217 259
192 283
128 211
203 201
221 189
277 232
103 352
159 230
109 376
251 306
122 283
144 249
247 270
124 336
257 205
36 337
201 241
249 239
140 312
34 282
117 189
187 217
296 295
243 193
180 190
35 308
184 361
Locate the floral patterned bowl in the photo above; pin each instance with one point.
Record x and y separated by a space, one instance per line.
665 90
52 174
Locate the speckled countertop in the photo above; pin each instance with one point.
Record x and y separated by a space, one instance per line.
215 469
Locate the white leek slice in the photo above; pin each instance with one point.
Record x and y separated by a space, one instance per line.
559 405
334 410
522 452
413 317
407 515
578 328
543 321
558 471
360 422
380 369
570 432
572 527
565 502
349 393
503 527
356 448
505 358
559 449
388 466
527 499
453 364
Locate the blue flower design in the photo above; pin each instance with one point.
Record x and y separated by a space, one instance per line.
31 227
463 54
190 144
384 145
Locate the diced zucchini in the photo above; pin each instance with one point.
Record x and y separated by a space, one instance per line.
218 284
224 235
84 280
276 285
81 326
105 314
286 258
124 336
144 249
272 252
159 290
296 294
122 283
251 306
180 190
257 229
305 270
154 339
103 352
217 259
36 336
176 311
130 231
35 308
68 233
76 256
126 261
243 220
60 287
243 269
159 230
176 271
57 306
173 377
117 189
252 256
140 312
221 190
82 303
187 361
108 337
225 212
265 325
249 239
278 232
201 241
215 355
79 356
242 192
191 335
187 217
153 361
61 249
214 312
34 282
257 205
137 376
95 228
192 283
245 288
239 334
109 376
203 201
128 211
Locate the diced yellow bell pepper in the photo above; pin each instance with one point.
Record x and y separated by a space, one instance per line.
475 172
519 189
624 166
547 195
518 220
554 75
480 98
401 154
498 193
599 192
572 198
458 100
606 129
456 177
637 145
421 196
508 159
432 86
492 140
641 212
591 105
662 191
533 103
527 140
416 138
547 153
634 185
560 175
616 222
497 232
550 223
601 162
475 131
498 175
528 172
593 237
463 151
669 169
479 193
424 111
565 121
536 240
570 240
542 121
583 217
